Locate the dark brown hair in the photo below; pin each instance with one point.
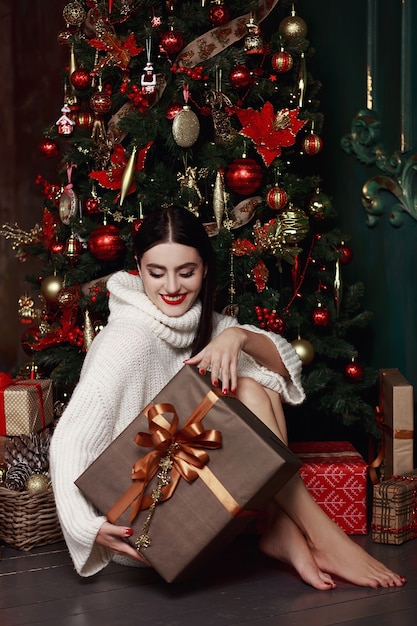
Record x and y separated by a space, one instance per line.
178 225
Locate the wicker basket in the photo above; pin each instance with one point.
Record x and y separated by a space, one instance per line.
28 519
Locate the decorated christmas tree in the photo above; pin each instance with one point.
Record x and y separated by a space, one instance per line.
211 106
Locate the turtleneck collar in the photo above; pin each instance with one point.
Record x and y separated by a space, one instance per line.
129 300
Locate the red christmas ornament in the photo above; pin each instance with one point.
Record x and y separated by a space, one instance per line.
276 198
354 371
240 76
172 41
312 144
81 79
346 254
56 247
83 119
48 148
244 176
105 243
92 206
219 13
282 62
100 102
136 225
173 110
269 320
320 316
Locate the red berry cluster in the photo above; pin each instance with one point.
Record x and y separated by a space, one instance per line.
195 73
76 336
269 320
136 95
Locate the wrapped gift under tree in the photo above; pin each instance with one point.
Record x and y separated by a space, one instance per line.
394 509
215 467
336 476
26 406
395 417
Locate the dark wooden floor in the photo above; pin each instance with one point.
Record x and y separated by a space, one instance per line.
240 588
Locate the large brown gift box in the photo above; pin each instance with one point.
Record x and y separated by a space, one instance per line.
396 416
26 406
243 464
394 509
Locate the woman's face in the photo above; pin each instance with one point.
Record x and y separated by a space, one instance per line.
172 276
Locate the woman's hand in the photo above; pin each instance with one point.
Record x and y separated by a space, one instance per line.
221 357
113 537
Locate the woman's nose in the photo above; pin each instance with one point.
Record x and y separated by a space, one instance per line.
172 283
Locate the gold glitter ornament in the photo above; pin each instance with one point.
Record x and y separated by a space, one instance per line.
37 482
293 26
74 14
185 127
295 225
219 198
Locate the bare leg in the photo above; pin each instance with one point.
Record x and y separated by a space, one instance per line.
299 531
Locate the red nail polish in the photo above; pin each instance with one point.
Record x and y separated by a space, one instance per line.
128 532
216 383
202 372
224 392
234 390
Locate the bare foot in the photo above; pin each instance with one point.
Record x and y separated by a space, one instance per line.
344 558
282 540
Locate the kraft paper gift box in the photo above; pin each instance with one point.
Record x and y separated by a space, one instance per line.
394 509
235 464
26 406
335 474
395 415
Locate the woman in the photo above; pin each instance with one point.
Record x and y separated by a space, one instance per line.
158 321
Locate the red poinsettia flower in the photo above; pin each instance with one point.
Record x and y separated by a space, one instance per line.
112 177
270 131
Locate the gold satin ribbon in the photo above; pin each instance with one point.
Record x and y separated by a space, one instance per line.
188 455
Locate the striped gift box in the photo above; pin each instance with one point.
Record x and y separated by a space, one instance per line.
394 509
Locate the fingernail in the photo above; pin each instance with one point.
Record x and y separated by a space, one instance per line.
224 392
202 372
234 390
216 383
128 532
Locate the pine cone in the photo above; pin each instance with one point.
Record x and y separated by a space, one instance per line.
16 476
31 449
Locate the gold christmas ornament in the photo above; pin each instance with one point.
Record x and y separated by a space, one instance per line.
185 127
89 332
128 174
293 26
37 482
294 224
219 198
51 286
74 14
304 349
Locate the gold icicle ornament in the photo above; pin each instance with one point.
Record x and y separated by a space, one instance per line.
89 332
219 199
128 174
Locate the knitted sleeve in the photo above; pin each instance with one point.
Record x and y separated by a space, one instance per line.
290 388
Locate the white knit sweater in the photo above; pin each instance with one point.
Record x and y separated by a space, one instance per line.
129 362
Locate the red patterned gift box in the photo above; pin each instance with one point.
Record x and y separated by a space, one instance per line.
336 476
26 406
394 509
213 459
